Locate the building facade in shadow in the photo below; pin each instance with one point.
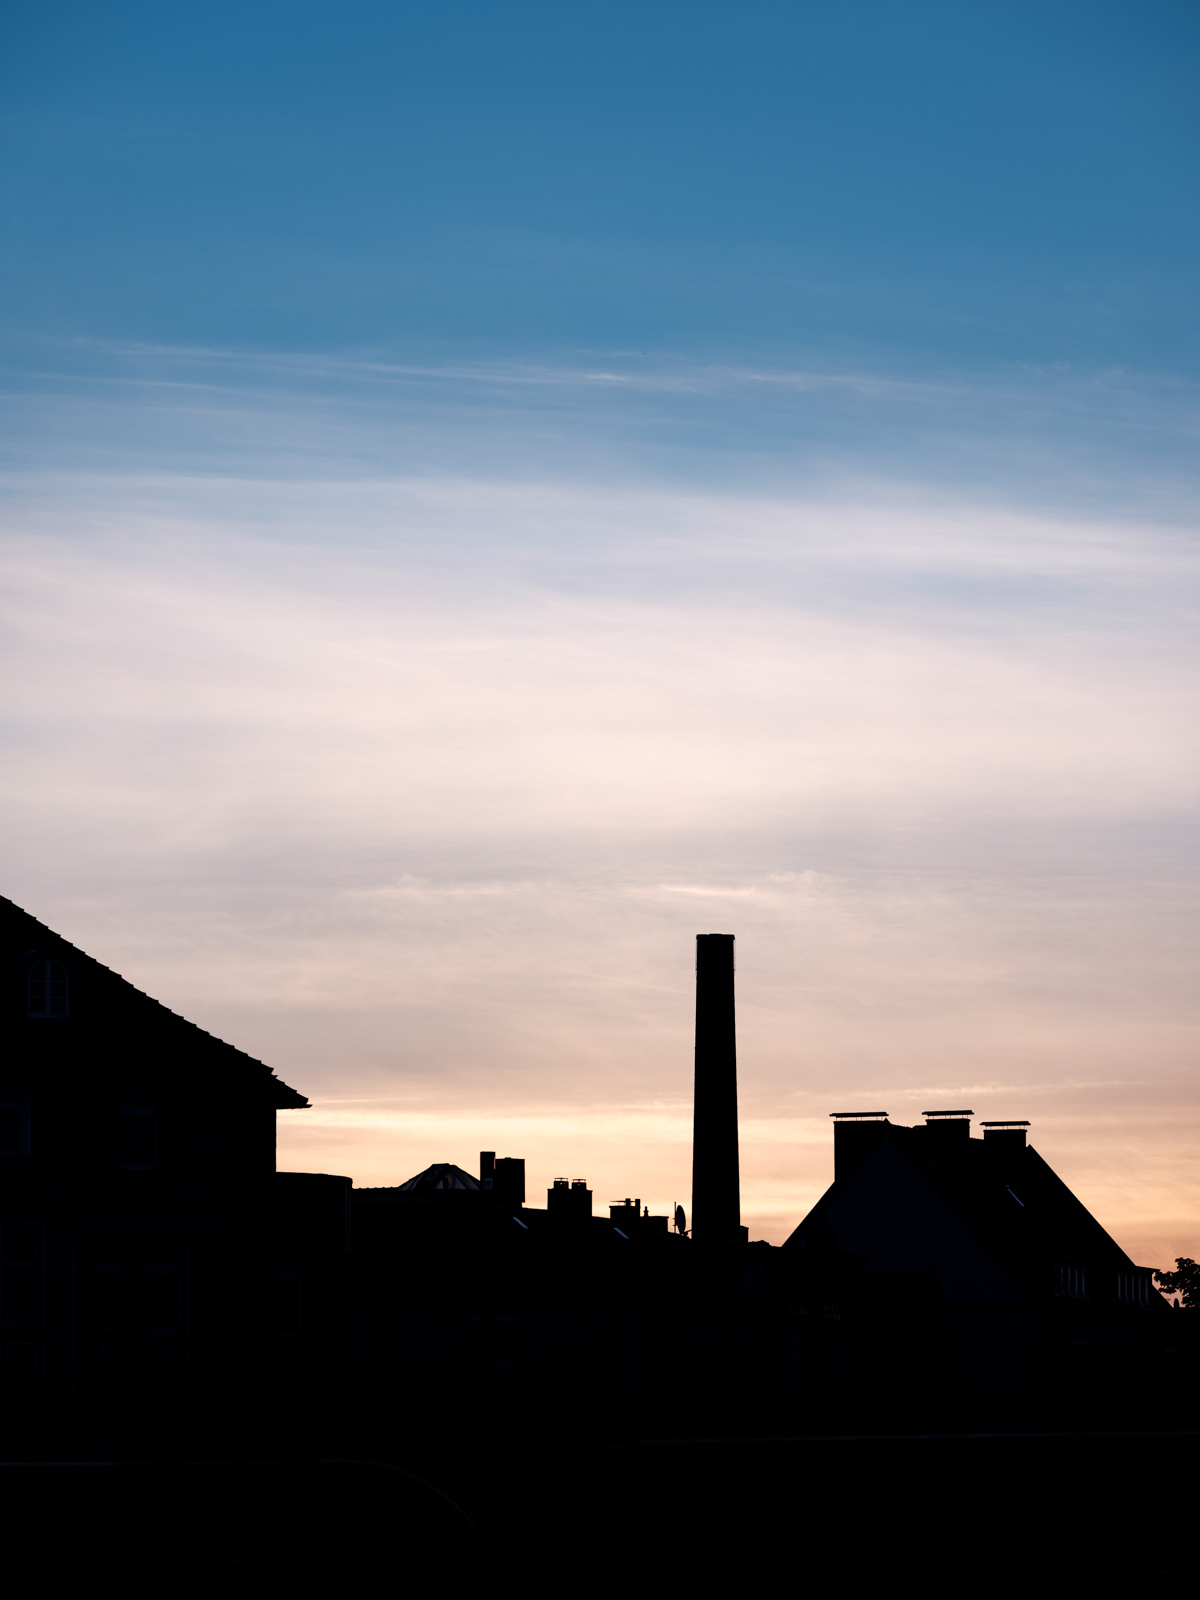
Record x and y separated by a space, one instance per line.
149 1250
1049 1322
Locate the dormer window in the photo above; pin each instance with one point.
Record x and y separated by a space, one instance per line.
1070 1282
1134 1288
47 990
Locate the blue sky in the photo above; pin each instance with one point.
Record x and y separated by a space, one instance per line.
493 489
901 184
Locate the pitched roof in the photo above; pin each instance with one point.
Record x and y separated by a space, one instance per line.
115 1027
1005 1193
441 1175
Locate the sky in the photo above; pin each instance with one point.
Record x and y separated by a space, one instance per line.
493 490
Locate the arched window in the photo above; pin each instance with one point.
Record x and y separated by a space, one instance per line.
48 989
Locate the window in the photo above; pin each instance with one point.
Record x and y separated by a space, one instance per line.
1133 1288
20 1274
47 990
138 1136
14 1124
1070 1283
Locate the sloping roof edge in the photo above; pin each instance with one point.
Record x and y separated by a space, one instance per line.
284 1097
945 1181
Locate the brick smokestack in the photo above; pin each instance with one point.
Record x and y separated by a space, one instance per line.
716 1189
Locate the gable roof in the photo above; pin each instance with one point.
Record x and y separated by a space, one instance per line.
113 1028
441 1175
1006 1195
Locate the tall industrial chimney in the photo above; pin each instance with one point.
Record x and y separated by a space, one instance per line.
716 1190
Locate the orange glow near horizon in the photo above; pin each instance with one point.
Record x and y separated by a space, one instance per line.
434 838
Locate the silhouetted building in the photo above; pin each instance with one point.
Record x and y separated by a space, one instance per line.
159 1280
153 1265
1046 1318
462 1306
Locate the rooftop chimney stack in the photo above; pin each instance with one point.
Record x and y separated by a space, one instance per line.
1005 1139
855 1135
716 1189
949 1132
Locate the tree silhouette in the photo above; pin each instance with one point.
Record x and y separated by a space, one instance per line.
1184 1282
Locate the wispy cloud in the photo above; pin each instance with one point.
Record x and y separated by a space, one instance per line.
514 531
1081 440
425 786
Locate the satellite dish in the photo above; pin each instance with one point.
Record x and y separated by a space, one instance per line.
680 1220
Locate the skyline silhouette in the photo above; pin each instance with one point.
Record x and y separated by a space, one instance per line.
137 1142
167 1294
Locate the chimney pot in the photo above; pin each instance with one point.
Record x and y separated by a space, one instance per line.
573 1199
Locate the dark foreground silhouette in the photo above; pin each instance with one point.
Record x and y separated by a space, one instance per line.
981 1515
217 1376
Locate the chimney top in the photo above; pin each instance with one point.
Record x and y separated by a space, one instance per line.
1004 1138
928 1114
859 1116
